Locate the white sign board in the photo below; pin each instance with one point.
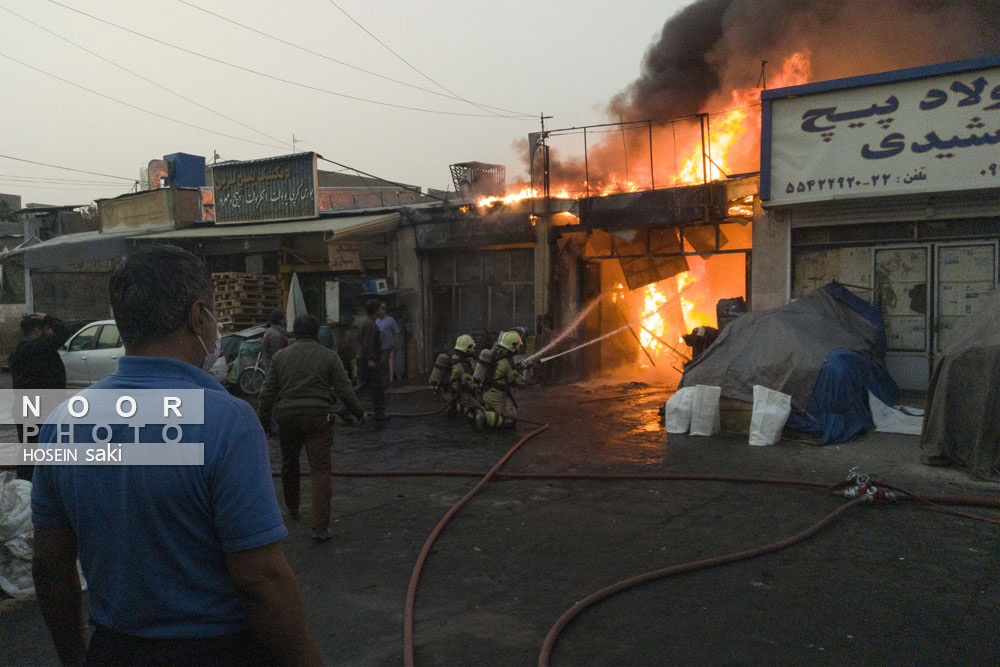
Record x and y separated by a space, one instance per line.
930 134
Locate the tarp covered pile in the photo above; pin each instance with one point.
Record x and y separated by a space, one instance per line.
963 412
826 350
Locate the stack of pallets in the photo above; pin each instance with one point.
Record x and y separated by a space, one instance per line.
244 300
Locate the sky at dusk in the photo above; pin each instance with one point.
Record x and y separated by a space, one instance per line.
401 89
566 59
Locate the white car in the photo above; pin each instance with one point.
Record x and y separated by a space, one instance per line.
92 354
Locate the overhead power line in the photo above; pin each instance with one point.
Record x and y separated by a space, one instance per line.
414 68
385 180
138 108
136 74
335 60
54 181
56 166
271 76
63 188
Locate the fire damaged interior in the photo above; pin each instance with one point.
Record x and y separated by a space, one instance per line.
656 263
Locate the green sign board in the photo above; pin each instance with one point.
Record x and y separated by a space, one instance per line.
280 188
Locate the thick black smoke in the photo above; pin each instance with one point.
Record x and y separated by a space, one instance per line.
713 46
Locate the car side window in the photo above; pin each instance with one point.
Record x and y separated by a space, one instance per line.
84 340
109 338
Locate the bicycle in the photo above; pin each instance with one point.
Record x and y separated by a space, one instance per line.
251 378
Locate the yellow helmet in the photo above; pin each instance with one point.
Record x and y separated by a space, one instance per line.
510 341
466 344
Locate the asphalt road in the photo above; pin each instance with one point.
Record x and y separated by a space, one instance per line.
886 584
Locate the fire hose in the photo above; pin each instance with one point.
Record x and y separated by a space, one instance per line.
858 488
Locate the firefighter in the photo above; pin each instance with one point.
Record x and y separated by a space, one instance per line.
461 386
499 407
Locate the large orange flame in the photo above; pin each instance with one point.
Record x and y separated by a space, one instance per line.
738 127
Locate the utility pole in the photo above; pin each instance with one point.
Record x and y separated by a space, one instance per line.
295 141
545 157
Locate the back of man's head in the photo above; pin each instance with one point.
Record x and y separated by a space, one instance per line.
305 326
31 324
152 290
371 306
277 317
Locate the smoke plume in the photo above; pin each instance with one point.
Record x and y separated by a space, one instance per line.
713 47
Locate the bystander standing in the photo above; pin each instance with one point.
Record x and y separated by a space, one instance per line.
370 358
301 386
35 364
275 336
183 562
390 337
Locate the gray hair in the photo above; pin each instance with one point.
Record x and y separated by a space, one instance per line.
153 288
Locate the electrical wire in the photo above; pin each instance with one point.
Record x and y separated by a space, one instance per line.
136 107
270 76
68 188
55 166
44 179
326 57
401 185
414 68
140 76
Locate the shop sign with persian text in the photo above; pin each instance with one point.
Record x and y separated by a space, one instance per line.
933 134
270 190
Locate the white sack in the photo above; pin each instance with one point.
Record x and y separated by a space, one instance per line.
705 416
16 533
890 420
677 411
770 412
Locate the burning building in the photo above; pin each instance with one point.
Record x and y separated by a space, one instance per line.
650 220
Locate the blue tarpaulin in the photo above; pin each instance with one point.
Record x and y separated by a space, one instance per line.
838 407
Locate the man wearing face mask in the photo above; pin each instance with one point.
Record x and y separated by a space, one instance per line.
183 562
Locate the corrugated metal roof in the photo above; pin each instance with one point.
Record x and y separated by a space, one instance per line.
339 228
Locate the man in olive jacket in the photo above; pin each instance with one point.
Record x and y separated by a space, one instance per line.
301 384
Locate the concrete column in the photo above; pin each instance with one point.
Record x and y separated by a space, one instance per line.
770 267
543 267
29 298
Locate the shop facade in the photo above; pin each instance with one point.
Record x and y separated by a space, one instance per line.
890 185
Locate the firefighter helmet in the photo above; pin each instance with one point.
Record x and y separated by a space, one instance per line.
465 344
510 341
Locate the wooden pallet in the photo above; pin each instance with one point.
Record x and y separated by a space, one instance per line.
232 275
237 300
251 292
243 312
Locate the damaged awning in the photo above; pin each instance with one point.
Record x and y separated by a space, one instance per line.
73 249
340 228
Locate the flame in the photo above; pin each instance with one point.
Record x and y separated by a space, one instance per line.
522 194
653 325
734 132
734 124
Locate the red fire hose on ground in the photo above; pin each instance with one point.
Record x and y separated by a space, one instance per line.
858 489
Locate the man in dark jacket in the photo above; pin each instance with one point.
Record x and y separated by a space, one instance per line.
275 337
301 383
370 357
35 364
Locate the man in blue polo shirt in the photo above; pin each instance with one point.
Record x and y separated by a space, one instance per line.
183 562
